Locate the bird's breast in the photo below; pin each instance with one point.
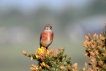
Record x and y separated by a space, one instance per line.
48 36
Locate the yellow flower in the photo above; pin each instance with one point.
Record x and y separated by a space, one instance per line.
101 63
37 56
86 37
86 43
24 52
73 70
47 66
63 58
47 53
89 35
43 64
42 49
75 66
84 69
93 59
40 68
62 67
69 67
95 36
101 37
93 42
86 64
36 67
39 52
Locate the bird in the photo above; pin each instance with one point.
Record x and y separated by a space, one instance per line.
46 36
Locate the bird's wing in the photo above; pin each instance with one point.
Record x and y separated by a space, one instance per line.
52 35
40 39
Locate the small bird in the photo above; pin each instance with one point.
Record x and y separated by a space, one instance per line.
46 37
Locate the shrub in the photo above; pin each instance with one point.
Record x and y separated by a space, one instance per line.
57 60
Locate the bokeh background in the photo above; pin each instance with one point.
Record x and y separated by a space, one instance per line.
22 21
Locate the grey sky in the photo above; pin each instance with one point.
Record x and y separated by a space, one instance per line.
26 5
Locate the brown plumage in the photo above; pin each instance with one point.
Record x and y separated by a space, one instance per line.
46 36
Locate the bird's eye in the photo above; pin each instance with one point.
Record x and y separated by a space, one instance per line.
50 27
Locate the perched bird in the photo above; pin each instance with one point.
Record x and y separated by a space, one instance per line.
46 36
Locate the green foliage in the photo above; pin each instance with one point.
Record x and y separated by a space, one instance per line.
50 60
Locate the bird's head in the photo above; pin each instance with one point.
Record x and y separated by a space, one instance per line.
48 27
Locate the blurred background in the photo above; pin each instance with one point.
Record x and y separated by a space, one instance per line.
22 21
